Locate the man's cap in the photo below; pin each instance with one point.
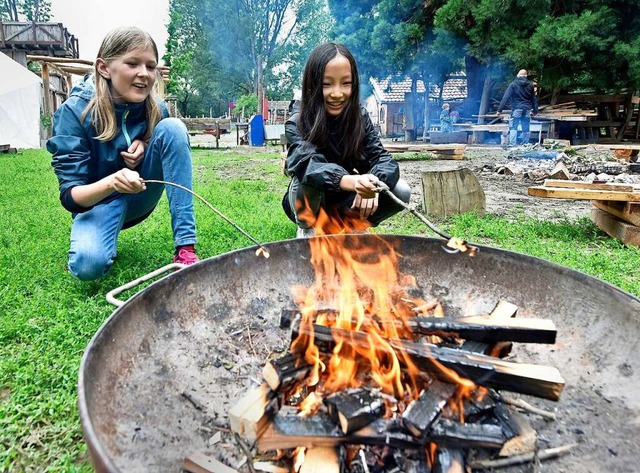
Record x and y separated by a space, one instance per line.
522 73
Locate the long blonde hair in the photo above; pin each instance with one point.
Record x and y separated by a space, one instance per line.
117 43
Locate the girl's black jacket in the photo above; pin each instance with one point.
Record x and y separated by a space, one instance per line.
323 167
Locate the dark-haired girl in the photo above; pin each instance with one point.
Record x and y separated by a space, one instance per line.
335 157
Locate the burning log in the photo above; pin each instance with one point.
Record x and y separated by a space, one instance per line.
537 380
423 412
288 430
354 408
454 434
286 371
486 329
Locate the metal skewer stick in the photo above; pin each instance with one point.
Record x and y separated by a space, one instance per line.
261 250
382 187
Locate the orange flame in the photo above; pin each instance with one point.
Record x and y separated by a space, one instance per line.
358 289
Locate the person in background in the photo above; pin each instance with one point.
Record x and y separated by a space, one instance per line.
108 136
522 96
335 158
446 119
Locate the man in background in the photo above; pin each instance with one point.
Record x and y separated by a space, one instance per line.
523 100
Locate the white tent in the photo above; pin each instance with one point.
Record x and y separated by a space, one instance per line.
20 91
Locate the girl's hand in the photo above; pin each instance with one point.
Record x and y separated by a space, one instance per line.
127 181
134 154
367 207
365 185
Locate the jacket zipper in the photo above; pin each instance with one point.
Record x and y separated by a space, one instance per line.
124 127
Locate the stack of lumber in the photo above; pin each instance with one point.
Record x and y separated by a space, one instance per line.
562 110
616 206
442 151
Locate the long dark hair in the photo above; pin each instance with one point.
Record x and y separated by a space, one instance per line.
313 123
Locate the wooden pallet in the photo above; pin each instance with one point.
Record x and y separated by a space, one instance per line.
616 206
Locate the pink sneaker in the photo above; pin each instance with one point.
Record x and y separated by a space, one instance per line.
185 255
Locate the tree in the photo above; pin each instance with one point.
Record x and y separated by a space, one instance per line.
25 10
245 43
390 37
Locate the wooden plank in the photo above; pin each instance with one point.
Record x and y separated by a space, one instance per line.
354 408
616 228
582 194
590 185
250 399
627 211
537 380
423 412
453 434
485 329
283 372
201 463
321 460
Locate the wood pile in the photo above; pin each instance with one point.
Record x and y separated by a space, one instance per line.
441 151
563 110
616 206
363 427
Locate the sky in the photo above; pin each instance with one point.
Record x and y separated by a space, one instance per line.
90 20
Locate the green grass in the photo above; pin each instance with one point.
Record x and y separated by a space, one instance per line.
47 318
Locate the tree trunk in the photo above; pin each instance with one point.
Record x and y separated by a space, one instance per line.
475 84
425 129
486 96
259 85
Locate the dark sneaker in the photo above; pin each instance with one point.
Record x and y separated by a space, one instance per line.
185 255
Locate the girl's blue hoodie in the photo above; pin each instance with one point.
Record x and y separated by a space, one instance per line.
78 158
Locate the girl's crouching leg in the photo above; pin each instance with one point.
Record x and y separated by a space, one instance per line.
387 207
88 262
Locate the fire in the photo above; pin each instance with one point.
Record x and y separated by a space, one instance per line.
359 290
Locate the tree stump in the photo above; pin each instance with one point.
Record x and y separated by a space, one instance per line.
452 192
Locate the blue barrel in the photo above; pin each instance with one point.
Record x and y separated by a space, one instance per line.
256 131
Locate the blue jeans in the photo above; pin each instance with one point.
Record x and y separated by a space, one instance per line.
94 234
519 118
340 201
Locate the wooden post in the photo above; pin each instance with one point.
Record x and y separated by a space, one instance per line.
452 192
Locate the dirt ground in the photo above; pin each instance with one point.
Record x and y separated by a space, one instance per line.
505 194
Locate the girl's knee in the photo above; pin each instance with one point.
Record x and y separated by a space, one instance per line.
89 264
172 126
402 191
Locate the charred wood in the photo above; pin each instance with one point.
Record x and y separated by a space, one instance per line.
485 329
521 437
537 380
454 434
502 311
283 372
354 408
288 430
423 412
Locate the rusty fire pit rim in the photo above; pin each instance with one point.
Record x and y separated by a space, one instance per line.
102 461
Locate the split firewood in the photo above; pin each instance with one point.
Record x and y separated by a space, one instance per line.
486 329
353 409
270 467
502 311
250 415
321 460
466 435
521 437
524 458
200 463
288 430
423 412
449 460
286 371
537 380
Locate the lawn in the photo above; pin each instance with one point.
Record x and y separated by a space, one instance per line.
47 318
